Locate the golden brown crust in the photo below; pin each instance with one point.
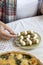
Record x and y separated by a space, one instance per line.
23 53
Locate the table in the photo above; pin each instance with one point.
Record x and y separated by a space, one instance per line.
33 23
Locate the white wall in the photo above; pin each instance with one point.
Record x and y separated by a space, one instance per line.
26 8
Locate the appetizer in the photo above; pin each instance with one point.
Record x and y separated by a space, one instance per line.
27 38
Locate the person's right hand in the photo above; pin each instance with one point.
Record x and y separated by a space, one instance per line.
3 34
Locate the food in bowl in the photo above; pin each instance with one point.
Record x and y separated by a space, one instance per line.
27 39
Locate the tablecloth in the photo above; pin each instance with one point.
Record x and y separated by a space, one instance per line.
33 23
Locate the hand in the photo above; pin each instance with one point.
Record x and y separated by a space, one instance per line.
3 34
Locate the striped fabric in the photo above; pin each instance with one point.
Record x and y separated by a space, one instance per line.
40 6
7 10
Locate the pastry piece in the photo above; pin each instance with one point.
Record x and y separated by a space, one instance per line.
28 36
35 36
29 41
25 32
21 37
22 42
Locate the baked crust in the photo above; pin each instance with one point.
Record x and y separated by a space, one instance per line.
38 61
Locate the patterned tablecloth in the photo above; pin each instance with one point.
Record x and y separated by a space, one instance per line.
34 23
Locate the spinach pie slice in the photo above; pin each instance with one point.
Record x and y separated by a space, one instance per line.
18 58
